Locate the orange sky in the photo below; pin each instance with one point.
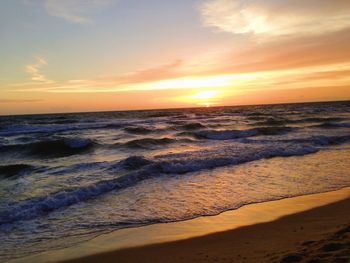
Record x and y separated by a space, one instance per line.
67 56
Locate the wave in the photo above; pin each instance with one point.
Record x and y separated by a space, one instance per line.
224 134
77 168
191 126
256 118
321 119
330 125
132 163
148 143
61 147
53 128
52 148
14 170
159 114
275 130
180 163
255 114
320 140
56 120
138 130
272 121
235 134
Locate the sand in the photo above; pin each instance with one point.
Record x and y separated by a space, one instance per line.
320 234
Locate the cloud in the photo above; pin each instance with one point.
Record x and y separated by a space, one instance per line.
286 62
276 17
169 70
75 11
272 64
290 53
120 82
35 71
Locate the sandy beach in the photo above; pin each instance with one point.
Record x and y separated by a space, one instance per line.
320 234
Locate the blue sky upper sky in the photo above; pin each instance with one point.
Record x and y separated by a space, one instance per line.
77 55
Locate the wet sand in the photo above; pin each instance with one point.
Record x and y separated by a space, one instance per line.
320 234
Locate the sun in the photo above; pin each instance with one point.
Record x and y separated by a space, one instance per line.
206 95
203 98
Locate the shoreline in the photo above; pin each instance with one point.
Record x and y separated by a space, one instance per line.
130 243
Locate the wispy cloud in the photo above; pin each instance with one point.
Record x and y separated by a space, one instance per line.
269 64
274 18
121 82
75 11
35 71
166 71
290 53
306 59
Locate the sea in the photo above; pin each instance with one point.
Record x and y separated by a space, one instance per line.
68 178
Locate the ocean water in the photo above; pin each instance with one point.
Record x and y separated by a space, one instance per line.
67 178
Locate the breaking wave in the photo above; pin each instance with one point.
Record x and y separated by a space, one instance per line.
235 134
181 163
13 170
52 148
148 143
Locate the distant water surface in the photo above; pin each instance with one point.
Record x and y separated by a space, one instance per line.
66 178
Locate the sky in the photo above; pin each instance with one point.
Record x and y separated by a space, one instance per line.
102 55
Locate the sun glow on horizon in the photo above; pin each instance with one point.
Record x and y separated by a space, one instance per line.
194 82
206 94
205 98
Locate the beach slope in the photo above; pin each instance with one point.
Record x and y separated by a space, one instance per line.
320 234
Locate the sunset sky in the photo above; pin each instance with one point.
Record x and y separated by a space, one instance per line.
96 55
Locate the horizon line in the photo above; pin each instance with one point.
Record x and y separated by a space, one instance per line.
176 108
